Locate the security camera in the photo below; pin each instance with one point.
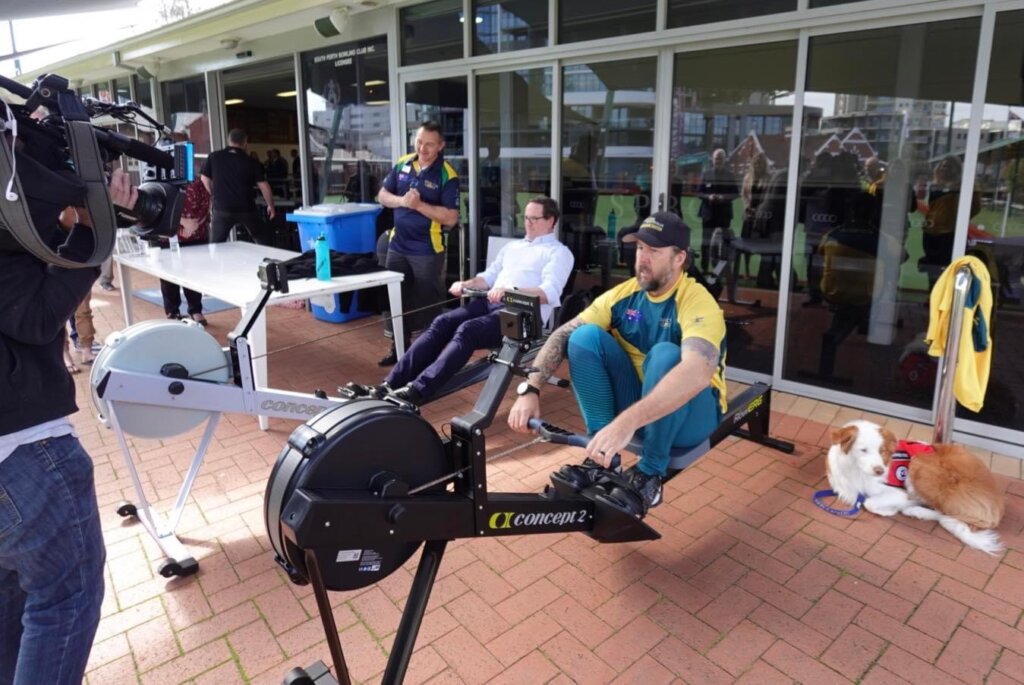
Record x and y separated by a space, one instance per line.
332 25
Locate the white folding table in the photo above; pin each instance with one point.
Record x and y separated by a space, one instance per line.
228 271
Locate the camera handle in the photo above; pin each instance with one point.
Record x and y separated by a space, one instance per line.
15 216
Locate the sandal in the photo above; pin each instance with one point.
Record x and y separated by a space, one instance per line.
200 319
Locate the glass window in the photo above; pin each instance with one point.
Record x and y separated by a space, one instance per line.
143 93
996 233
348 124
592 19
731 110
122 91
877 205
514 134
608 149
696 12
504 26
445 101
186 111
431 32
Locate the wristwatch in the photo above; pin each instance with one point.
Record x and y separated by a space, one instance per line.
525 388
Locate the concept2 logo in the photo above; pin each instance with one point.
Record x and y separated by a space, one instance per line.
505 520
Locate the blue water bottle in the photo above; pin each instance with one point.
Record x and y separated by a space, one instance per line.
323 258
613 221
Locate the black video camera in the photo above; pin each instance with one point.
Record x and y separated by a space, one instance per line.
60 160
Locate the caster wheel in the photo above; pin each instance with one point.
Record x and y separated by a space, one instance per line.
127 510
171 568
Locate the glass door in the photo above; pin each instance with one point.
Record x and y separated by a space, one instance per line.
731 115
878 195
996 232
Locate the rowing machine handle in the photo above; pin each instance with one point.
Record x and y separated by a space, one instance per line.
474 292
561 436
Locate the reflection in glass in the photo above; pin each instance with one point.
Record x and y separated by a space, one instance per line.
592 19
731 114
608 149
508 25
122 92
996 233
696 12
186 112
431 32
877 204
514 135
143 92
445 101
348 130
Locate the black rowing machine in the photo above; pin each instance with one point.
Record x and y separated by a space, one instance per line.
359 488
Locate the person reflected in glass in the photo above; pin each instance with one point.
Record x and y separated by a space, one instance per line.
827 190
717 190
753 192
939 205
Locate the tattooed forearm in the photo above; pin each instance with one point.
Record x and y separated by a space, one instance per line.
551 355
707 352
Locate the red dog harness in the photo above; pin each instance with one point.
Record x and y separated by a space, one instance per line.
899 464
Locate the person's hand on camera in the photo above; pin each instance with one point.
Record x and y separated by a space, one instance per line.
122 192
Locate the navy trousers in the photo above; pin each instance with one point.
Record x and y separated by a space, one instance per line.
446 346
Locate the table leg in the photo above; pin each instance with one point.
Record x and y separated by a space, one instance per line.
397 322
258 351
124 277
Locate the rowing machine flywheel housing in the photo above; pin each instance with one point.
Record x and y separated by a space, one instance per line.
345 453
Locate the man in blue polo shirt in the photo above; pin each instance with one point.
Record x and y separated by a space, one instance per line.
423 189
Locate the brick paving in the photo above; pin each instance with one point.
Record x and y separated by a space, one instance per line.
750 582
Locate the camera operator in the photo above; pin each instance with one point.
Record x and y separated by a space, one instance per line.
51 545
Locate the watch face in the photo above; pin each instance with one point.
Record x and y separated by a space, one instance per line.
524 388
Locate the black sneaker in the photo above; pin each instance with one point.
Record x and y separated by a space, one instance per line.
409 394
648 487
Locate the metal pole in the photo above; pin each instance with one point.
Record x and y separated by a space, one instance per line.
945 405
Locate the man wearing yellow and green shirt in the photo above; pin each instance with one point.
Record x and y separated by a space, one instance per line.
423 189
647 355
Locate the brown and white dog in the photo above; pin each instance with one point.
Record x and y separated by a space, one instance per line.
944 483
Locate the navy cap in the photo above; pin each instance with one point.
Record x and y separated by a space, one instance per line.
662 229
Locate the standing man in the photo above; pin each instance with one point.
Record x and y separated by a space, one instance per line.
229 176
718 188
647 354
423 189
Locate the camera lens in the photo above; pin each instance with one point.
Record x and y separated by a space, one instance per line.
158 210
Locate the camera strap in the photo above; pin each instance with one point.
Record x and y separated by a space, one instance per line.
16 218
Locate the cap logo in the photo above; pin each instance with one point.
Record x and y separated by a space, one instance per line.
652 224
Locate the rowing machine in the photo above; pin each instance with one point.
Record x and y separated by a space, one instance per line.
358 489
158 379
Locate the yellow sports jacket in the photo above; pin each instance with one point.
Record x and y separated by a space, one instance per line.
970 379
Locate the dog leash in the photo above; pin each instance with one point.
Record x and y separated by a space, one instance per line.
820 496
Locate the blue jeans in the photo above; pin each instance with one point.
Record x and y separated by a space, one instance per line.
606 383
51 563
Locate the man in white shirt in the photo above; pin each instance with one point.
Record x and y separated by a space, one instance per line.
536 265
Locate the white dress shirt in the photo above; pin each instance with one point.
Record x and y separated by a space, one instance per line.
543 263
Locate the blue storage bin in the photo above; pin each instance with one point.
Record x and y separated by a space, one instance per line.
350 227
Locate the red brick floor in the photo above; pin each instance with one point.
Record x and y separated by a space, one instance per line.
750 582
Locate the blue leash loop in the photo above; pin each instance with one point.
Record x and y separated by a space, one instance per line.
820 495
